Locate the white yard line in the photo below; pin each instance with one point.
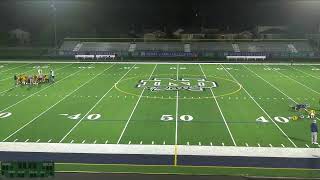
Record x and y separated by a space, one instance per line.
134 108
305 73
41 89
270 84
221 113
17 73
14 68
177 109
54 105
261 108
94 106
15 86
297 82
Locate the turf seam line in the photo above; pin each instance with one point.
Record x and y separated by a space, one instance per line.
51 106
262 109
134 108
221 113
41 89
76 125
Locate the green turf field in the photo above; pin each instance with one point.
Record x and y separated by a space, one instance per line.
238 105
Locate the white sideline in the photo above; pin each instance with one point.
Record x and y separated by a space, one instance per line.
160 150
160 62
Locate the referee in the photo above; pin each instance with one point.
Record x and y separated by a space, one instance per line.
314 132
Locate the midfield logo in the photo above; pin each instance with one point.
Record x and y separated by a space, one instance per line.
190 84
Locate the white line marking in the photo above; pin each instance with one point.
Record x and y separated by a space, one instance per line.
129 142
71 141
94 106
188 143
221 113
26 140
106 142
199 143
164 142
305 73
83 141
37 140
247 144
152 142
51 107
49 140
16 67
270 145
134 108
307 146
15 140
140 142
177 110
211 144
259 145
261 108
283 145
222 144
95 141
41 89
298 82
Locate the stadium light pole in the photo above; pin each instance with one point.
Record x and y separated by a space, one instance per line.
54 10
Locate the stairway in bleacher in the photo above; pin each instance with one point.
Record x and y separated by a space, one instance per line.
292 48
236 47
187 48
132 47
78 47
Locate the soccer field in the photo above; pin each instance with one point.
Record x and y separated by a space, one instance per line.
160 104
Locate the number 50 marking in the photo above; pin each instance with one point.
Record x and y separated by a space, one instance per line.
182 118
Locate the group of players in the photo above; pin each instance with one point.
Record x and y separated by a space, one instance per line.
36 79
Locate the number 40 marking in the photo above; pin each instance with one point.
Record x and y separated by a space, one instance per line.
277 118
78 116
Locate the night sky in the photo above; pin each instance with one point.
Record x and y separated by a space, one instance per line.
105 16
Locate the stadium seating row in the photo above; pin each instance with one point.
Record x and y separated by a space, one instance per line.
290 47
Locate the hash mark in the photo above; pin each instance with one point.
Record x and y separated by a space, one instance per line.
129 142
210 143
222 144
15 140
270 145
26 140
95 141
307 146
83 141
259 145
106 142
199 143
282 145
140 142
37 140
247 144
71 141
164 142
152 142
49 140
188 143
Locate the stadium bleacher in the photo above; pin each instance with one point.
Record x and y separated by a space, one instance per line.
160 46
105 46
